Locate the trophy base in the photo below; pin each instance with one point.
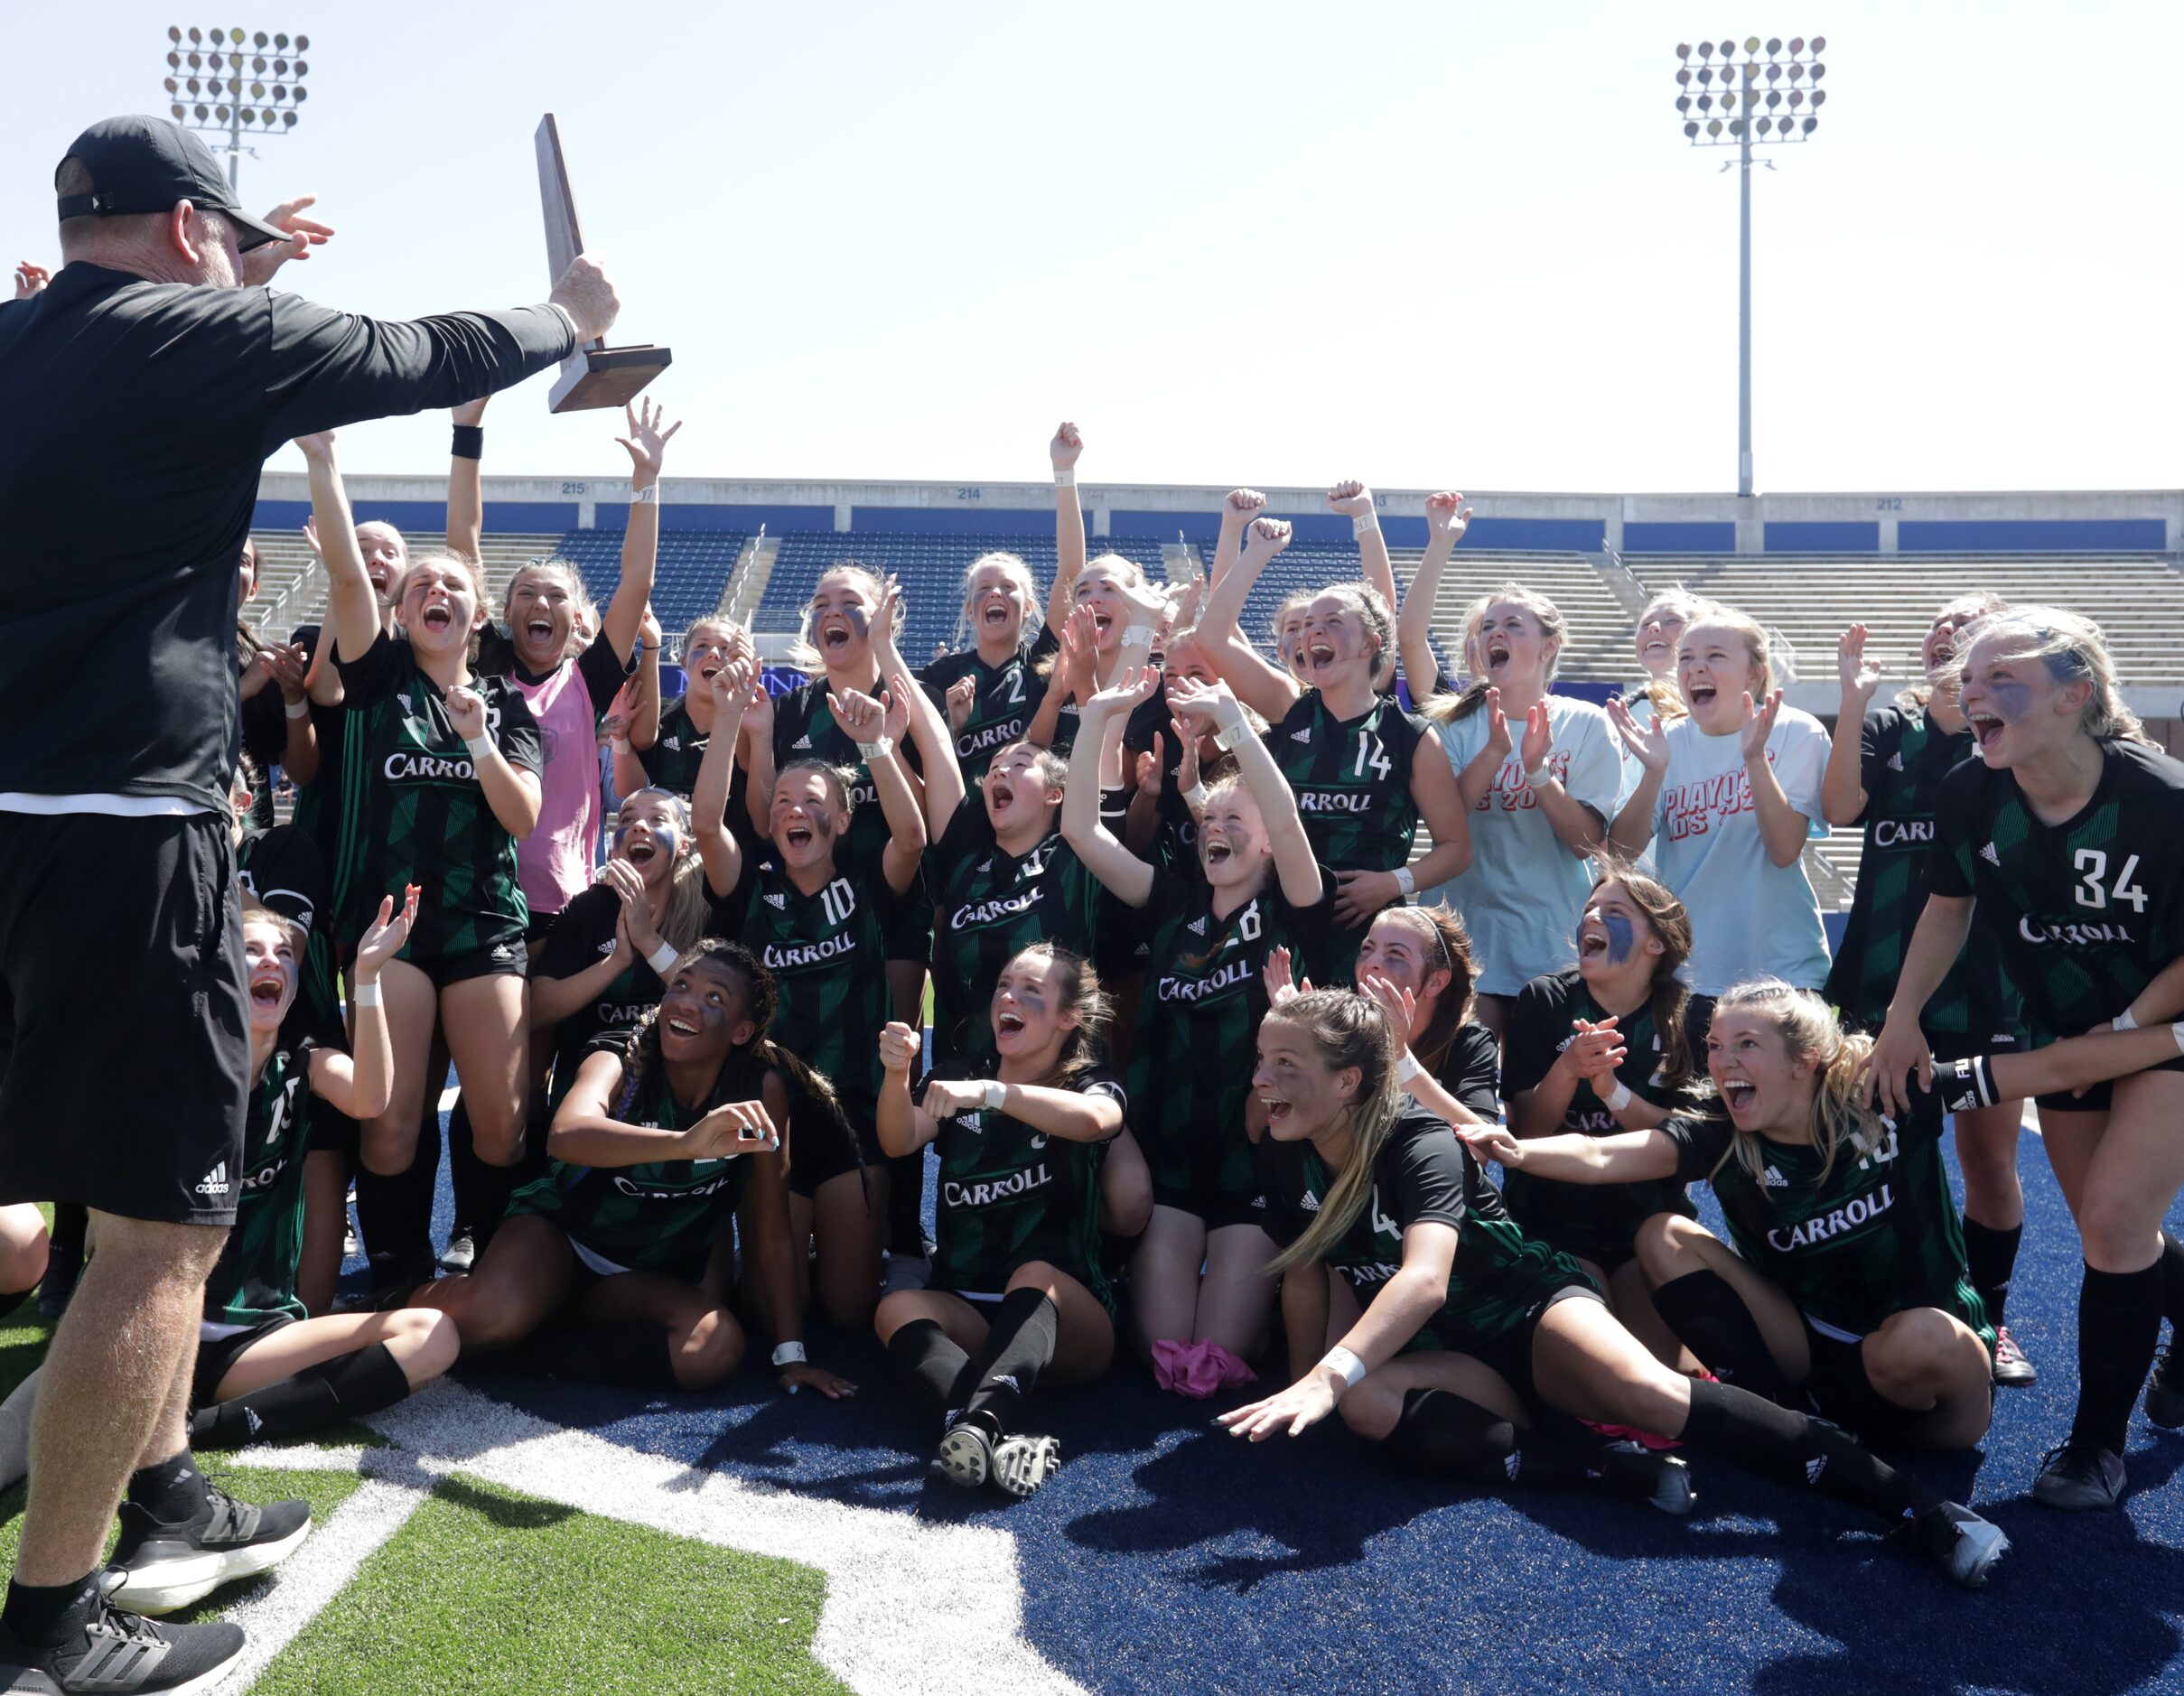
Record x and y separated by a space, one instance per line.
595 377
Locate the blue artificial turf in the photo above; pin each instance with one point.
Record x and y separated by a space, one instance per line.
1167 1556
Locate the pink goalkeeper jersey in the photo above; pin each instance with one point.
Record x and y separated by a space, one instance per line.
555 860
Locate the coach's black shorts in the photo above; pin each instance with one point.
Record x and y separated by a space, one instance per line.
124 1025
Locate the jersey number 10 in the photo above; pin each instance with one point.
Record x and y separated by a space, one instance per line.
2092 866
839 901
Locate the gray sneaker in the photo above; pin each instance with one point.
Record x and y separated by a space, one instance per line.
2079 1477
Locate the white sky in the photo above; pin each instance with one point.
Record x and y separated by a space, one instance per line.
1424 244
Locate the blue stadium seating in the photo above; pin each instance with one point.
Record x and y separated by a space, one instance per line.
693 567
930 568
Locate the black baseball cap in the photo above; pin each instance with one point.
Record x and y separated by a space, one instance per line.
145 164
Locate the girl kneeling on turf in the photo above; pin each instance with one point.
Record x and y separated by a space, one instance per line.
1016 1291
1476 1349
651 1151
262 1368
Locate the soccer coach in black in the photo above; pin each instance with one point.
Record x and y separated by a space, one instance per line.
144 388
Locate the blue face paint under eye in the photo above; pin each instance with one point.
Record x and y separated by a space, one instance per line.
2013 702
1622 937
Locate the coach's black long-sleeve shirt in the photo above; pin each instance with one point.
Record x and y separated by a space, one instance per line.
135 418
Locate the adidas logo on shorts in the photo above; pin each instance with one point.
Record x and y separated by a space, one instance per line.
1895 762
502 953
1991 856
673 744
803 743
1303 735
215 1182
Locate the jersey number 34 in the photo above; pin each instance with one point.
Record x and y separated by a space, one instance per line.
2091 864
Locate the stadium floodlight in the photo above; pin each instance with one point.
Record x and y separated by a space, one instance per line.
1749 80
224 59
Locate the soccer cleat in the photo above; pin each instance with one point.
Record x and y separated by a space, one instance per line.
2079 1476
2165 1389
2013 1371
163 1567
58 1287
965 1455
1965 1545
461 1253
118 1652
1646 1474
1021 1464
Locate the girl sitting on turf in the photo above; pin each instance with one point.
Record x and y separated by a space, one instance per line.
1016 1292
651 1151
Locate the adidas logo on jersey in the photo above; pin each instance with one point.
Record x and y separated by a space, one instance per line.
1775 1181
1303 735
607 946
409 710
215 1182
1259 1202
1896 762
1991 856
673 744
775 899
803 743
1311 1204
1196 926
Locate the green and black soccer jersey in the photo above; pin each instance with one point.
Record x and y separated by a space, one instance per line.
1471 1070
1352 779
1005 699
255 1280
1009 1195
1423 1175
804 728
1902 759
672 761
583 935
1876 1234
660 1216
828 952
413 811
1199 1018
1596 1222
2085 912
988 906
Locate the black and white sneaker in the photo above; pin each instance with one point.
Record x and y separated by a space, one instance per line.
2012 1370
461 1253
163 1567
965 1455
1021 1464
2165 1389
2079 1477
1648 1476
1965 1545
118 1652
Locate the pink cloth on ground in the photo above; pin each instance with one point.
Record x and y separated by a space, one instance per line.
1197 1369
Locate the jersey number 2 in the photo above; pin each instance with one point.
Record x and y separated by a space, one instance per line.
1370 752
2091 866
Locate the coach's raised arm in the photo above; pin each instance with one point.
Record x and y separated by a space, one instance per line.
147 386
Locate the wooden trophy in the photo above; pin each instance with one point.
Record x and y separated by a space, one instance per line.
595 375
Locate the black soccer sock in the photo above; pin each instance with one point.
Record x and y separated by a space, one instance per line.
349 1384
933 1369
634 1356
71 1226
481 1190
394 1214
1757 1433
2119 1326
41 1614
1446 1435
2173 1283
1019 1347
170 1491
1711 1319
1992 1255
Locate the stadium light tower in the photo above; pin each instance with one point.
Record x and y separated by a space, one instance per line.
222 79
1744 96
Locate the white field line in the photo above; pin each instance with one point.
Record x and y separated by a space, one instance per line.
911 1606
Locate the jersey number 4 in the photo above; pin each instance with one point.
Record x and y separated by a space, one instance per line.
2091 866
1370 752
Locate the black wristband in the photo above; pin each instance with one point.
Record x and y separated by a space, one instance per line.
1983 1078
470 441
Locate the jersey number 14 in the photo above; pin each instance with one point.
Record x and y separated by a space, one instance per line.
1370 752
2091 867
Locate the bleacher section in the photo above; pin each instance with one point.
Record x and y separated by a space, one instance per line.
291 589
1597 648
930 567
2138 601
694 569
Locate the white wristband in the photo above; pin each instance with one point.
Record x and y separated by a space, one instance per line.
789 1354
1194 797
1619 1098
364 994
1538 775
2123 1022
1065 476
1135 636
1407 880
1361 522
481 748
1407 1068
996 1095
873 751
1227 735
662 959
648 496
620 745
296 709
2176 1032
1340 1360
